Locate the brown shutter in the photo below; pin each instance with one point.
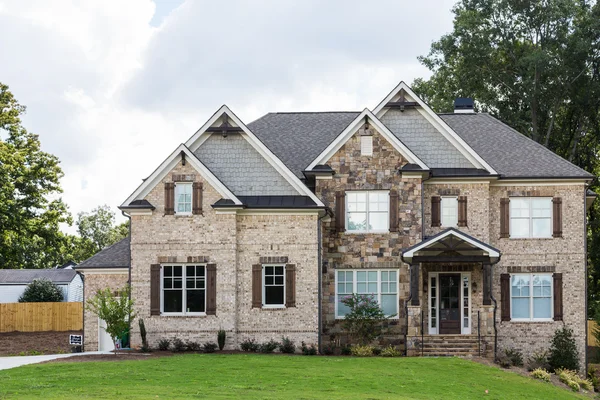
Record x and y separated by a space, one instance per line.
197 198
557 217
504 218
505 296
169 198
211 289
462 210
558 297
340 211
290 285
257 286
155 289
435 211
393 211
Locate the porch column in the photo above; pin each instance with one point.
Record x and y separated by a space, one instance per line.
487 284
414 284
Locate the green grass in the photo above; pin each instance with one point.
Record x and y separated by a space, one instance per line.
253 376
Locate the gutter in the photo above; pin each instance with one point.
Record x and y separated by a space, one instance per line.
495 307
320 279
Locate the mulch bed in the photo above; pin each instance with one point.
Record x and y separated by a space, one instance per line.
28 343
121 356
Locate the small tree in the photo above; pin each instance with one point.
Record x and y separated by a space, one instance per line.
41 290
116 309
563 351
365 319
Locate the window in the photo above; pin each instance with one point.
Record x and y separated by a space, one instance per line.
530 217
531 297
449 212
183 198
382 284
367 211
366 145
274 286
183 289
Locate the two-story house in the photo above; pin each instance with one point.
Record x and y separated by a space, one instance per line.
470 235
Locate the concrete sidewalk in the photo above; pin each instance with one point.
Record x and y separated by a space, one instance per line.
17 361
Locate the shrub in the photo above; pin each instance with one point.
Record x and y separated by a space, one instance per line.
593 377
515 357
346 350
563 351
178 345
209 347
41 290
287 346
329 349
164 344
503 361
249 345
365 319
538 360
268 347
309 350
541 374
376 351
221 335
145 347
572 380
390 351
362 351
193 346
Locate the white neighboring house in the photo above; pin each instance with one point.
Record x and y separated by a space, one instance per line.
14 281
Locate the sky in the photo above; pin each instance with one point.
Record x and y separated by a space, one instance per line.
112 87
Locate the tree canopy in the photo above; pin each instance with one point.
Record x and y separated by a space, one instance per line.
40 291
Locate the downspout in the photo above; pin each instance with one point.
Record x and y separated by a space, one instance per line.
495 307
129 270
320 279
585 264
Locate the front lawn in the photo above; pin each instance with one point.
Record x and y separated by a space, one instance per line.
276 376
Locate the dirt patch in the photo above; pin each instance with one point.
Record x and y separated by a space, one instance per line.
35 343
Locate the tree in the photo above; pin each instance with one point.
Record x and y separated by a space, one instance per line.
41 290
365 318
97 229
30 212
116 309
563 351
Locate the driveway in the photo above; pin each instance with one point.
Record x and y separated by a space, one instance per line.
17 361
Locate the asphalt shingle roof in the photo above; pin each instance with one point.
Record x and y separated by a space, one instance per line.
25 276
117 255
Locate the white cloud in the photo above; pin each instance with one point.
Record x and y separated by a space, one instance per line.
112 96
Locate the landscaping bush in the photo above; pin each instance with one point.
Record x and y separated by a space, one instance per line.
593 377
346 350
287 346
541 374
178 345
365 319
145 347
268 347
164 344
329 349
515 357
193 346
376 351
538 360
572 380
221 338
390 351
309 350
503 360
41 290
249 345
563 351
209 347
362 351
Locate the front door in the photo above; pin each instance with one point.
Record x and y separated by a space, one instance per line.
450 303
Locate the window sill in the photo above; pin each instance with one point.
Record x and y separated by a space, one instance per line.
532 321
183 314
183 215
365 232
273 308
390 318
531 238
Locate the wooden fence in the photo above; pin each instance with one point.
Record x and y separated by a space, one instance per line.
39 317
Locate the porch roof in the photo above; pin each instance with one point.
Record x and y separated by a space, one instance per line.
451 245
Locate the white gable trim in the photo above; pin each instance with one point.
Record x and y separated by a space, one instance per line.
491 252
437 123
170 163
201 135
352 128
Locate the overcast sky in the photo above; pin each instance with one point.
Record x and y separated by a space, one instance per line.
112 87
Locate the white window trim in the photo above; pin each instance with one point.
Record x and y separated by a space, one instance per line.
264 287
386 230
442 224
532 319
531 218
463 330
354 288
176 202
184 289
366 148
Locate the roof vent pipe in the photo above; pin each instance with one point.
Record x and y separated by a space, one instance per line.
464 105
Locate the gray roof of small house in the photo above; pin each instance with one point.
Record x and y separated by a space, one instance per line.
298 138
117 255
26 276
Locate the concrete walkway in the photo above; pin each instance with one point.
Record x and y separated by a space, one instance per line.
17 361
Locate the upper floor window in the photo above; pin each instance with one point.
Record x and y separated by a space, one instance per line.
367 211
531 296
183 198
530 217
366 145
183 289
449 212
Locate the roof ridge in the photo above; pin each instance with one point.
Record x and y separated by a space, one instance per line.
314 112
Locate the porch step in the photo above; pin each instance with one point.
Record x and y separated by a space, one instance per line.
450 345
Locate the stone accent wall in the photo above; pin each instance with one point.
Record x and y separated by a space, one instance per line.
93 283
